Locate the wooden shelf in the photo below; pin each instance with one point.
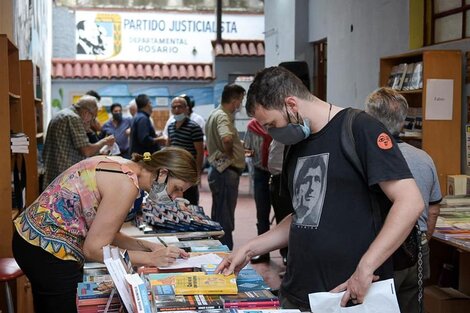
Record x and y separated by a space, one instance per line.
38 101
14 96
417 91
39 135
440 138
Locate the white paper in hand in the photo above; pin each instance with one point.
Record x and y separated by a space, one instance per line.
381 297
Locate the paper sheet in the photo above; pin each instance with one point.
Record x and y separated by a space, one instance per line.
381 297
197 261
439 99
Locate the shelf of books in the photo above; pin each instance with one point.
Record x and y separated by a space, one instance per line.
410 74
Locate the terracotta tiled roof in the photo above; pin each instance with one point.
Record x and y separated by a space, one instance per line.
89 69
239 48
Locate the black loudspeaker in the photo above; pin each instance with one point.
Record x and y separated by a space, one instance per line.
300 69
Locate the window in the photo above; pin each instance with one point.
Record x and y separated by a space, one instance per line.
450 20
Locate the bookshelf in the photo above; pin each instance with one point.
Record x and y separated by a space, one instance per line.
32 126
10 119
441 139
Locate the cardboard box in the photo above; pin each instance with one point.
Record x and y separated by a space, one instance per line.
457 185
445 300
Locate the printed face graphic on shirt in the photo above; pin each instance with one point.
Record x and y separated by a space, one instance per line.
309 187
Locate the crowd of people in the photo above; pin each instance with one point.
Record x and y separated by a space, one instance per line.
325 227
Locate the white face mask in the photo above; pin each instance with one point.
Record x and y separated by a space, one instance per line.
158 192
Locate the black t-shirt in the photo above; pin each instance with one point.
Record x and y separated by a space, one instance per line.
332 222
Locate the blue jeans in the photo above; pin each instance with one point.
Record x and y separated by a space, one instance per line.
262 199
224 188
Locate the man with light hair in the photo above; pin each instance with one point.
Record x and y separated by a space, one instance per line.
391 108
67 142
132 107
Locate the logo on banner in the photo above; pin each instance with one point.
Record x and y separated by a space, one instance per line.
99 37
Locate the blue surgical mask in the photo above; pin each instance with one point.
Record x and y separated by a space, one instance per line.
292 133
179 117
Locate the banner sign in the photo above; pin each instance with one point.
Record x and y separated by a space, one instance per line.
158 37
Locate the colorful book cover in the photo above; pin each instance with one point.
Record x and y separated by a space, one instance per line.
206 284
185 302
90 290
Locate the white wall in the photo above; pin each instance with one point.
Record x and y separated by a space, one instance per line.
380 28
279 26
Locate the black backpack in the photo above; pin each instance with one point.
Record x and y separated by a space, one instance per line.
407 254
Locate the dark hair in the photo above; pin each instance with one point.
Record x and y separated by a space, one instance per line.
231 92
94 94
189 102
310 163
114 105
271 87
81 25
142 100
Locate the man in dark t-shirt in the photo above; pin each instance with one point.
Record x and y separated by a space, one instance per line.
332 241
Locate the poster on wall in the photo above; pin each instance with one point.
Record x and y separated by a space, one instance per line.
439 99
158 37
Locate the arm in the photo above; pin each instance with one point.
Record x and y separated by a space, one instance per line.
93 148
433 213
109 218
227 142
406 208
275 238
199 146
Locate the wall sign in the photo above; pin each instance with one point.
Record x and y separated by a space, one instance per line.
158 37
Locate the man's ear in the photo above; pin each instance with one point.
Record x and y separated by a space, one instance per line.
291 103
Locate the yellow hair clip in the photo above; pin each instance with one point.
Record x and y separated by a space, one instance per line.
147 156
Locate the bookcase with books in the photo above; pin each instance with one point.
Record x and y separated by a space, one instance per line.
410 73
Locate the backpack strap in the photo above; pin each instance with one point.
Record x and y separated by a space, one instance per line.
348 146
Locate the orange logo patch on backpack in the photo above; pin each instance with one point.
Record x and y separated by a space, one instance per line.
384 142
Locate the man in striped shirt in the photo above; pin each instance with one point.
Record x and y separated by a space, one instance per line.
186 134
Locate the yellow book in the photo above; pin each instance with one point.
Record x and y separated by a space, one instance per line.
206 285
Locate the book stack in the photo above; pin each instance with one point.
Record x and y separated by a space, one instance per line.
130 286
19 143
176 217
413 123
95 292
406 76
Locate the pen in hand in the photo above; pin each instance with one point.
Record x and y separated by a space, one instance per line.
162 242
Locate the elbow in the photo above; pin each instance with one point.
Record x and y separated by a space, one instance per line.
88 253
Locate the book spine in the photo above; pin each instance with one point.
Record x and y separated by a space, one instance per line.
257 304
145 298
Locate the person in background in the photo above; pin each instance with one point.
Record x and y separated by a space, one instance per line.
186 134
67 142
94 128
192 116
256 144
227 159
391 108
333 248
119 127
143 136
280 204
83 210
132 107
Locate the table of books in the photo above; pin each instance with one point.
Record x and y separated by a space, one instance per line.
116 286
450 245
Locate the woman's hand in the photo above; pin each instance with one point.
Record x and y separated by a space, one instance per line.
164 256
